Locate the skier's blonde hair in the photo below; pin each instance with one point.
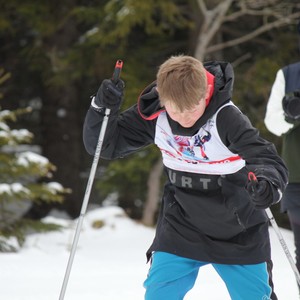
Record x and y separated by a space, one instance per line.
182 80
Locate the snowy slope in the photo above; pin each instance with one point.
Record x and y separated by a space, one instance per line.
109 263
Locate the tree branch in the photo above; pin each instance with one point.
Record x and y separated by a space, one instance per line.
282 10
212 22
281 22
202 7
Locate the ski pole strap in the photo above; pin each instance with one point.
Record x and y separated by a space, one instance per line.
252 176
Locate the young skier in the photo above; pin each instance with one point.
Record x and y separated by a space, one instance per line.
211 213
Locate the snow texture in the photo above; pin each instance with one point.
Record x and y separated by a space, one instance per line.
109 263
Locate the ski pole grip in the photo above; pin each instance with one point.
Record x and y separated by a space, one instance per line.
117 70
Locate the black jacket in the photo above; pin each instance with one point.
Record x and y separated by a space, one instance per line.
208 217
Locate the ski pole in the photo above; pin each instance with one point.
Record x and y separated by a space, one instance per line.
115 77
283 244
251 176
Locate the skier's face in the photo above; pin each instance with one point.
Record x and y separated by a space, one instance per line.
186 118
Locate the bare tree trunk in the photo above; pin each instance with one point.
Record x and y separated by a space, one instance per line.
153 194
212 21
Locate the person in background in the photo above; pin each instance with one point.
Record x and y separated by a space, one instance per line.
212 211
283 119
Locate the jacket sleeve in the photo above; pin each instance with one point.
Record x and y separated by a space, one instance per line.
125 133
274 118
259 154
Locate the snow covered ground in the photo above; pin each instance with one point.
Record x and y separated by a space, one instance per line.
109 263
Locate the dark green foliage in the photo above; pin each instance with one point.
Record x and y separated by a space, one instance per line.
20 229
22 180
60 51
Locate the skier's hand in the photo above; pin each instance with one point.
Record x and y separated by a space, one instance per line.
261 191
110 94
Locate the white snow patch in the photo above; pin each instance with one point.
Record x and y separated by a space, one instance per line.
26 157
12 188
55 187
110 263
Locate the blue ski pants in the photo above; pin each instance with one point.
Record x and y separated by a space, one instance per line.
171 277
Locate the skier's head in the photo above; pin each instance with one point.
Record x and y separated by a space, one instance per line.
182 81
183 88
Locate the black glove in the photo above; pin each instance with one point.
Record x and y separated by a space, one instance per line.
261 191
110 94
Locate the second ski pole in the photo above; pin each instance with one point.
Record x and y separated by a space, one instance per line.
285 248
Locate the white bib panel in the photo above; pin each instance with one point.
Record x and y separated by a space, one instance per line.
203 153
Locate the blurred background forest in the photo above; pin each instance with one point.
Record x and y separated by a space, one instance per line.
54 55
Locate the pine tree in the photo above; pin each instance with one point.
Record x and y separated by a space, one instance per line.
24 178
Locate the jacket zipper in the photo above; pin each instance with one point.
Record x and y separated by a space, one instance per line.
238 219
